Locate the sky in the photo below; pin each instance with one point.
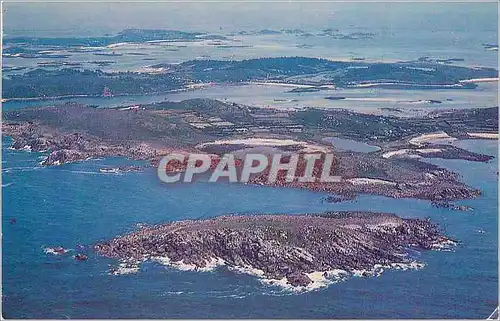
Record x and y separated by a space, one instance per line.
87 19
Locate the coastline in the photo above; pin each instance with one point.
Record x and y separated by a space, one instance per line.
400 172
67 186
291 240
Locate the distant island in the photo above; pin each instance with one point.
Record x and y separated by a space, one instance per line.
127 35
160 78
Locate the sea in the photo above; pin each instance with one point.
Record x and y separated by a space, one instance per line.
399 32
74 205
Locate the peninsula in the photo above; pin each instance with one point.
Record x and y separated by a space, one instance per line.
69 133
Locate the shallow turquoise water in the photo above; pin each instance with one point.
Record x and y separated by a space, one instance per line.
74 204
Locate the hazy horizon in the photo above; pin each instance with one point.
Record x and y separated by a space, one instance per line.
93 19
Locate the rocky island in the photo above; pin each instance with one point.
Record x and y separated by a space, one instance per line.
289 250
71 132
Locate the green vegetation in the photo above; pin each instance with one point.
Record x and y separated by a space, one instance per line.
43 83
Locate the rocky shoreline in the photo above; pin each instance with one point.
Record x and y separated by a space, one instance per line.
61 148
290 250
420 180
72 133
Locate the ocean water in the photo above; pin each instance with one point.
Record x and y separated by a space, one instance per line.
376 101
75 204
445 30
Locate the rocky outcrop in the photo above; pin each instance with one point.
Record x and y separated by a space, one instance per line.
463 208
73 133
281 246
64 148
368 174
59 157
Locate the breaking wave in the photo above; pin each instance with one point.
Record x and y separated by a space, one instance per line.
445 245
320 279
56 250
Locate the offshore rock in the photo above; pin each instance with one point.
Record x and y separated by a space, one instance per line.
281 246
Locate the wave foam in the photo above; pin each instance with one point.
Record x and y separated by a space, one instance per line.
126 267
325 279
378 269
320 279
445 245
56 250
211 264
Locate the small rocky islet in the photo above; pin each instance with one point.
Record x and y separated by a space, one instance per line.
289 249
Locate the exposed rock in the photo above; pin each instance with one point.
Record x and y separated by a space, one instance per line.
73 133
62 156
463 208
281 245
298 279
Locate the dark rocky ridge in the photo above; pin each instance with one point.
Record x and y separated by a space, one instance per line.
281 245
393 178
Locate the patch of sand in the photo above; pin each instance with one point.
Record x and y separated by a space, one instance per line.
365 181
151 70
484 135
476 80
429 150
428 137
279 84
269 142
395 153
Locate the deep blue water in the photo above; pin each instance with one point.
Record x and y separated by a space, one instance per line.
74 204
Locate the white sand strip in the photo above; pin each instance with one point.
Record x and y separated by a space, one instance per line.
368 181
429 137
484 135
476 80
